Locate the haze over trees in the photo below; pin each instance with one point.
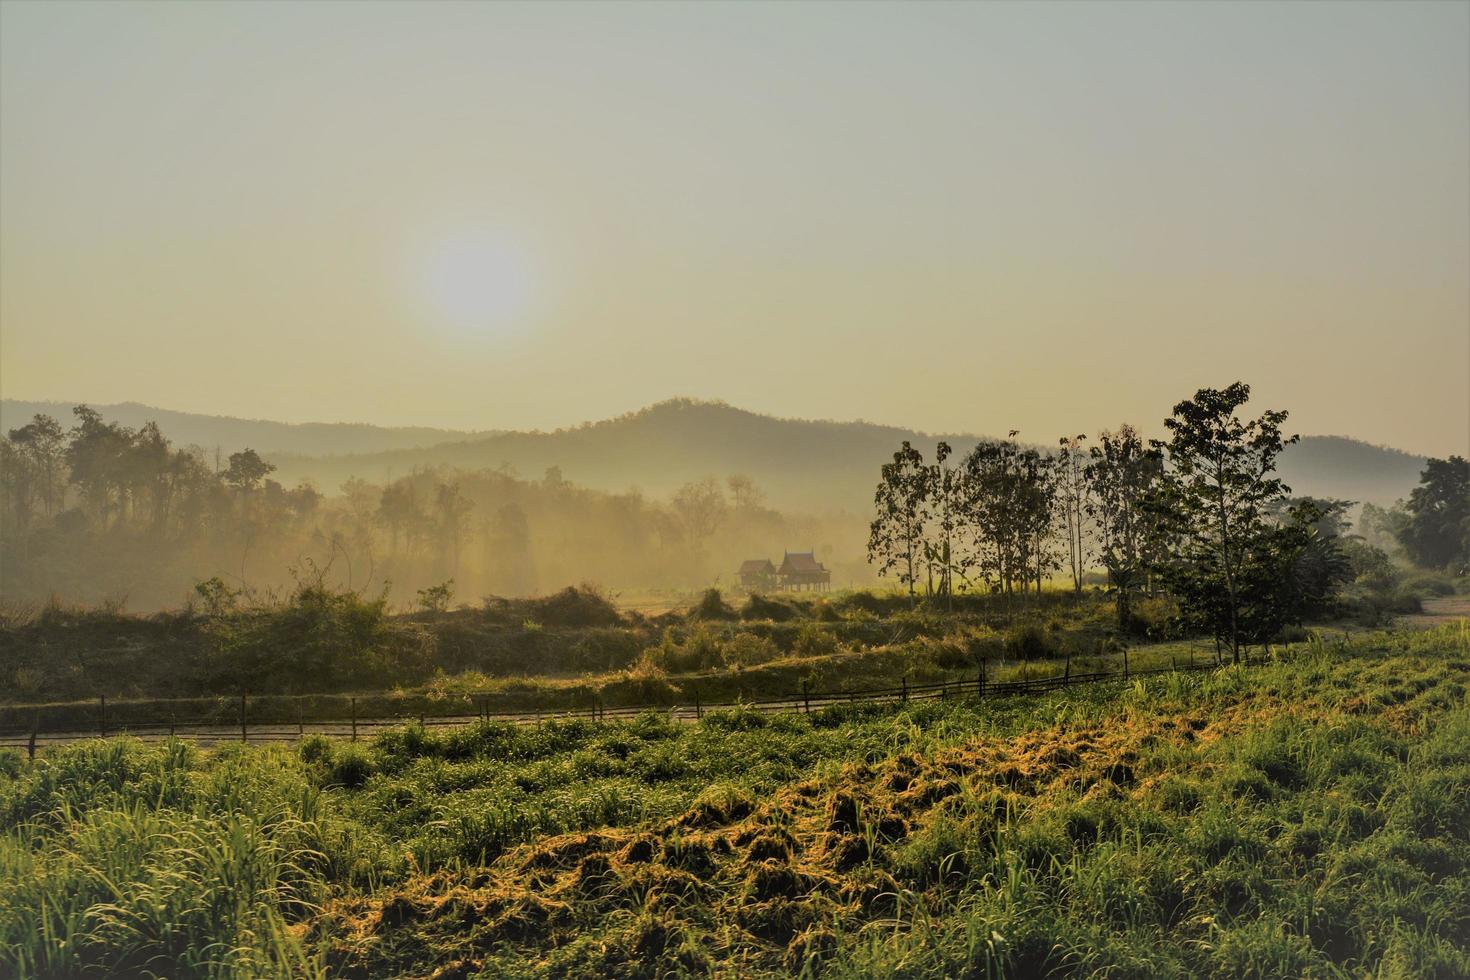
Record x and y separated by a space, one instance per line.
103 512
800 465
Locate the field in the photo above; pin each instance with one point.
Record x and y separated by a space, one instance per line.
1305 817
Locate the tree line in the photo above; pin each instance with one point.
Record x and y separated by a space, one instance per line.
1198 515
98 511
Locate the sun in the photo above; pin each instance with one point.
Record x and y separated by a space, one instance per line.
480 284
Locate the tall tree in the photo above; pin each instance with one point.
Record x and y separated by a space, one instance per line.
700 507
896 536
1010 500
1121 476
42 442
1073 498
1219 491
946 507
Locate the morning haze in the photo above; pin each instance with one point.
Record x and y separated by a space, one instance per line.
505 216
764 490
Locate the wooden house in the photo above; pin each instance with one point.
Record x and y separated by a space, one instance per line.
801 572
758 575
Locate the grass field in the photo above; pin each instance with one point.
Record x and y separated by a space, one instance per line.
1309 817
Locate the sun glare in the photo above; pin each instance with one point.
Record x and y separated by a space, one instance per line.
479 284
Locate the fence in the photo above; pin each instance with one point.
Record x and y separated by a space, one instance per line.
273 728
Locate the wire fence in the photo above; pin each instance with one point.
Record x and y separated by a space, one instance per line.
215 726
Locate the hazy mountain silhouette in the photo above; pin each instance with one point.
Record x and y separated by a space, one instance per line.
800 464
233 434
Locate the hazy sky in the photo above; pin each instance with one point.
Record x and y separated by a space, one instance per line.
1047 217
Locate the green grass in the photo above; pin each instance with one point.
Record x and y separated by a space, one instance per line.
1308 817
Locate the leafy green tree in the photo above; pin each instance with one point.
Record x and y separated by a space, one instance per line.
1218 492
1073 494
1121 477
945 512
896 536
1436 533
1010 505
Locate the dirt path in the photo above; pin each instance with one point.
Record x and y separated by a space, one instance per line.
1440 610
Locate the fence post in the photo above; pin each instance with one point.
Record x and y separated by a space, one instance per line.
698 709
103 724
1125 663
1067 675
242 717
980 673
354 719
806 700
31 744
905 688
300 722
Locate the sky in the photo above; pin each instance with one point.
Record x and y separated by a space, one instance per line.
1049 217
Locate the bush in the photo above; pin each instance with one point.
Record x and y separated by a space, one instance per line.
814 641
318 637
760 607
748 650
1154 619
583 605
1429 584
712 606
697 649
351 767
1028 642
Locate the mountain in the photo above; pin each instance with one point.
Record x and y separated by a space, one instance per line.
818 466
232 434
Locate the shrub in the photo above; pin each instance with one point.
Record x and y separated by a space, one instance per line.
760 607
351 767
583 605
747 650
318 636
1028 642
813 641
712 606
436 598
1155 619
697 649
1429 584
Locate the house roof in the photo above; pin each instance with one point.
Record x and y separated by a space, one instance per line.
757 566
801 561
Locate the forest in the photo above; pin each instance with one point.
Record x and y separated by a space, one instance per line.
105 514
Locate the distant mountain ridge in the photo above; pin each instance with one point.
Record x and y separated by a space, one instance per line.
801 464
233 434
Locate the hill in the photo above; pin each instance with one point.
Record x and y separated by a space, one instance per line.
234 434
801 464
